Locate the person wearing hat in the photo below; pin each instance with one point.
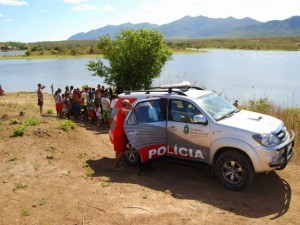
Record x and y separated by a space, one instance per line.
119 133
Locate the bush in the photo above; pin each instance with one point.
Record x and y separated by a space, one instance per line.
14 121
66 125
50 112
33 121
261 105
19 131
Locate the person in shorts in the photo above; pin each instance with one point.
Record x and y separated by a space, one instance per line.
40 96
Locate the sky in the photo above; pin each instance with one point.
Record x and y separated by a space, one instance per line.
57 20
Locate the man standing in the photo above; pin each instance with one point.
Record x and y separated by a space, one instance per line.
52 89
40 97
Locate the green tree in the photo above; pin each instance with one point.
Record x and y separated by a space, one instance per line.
135 58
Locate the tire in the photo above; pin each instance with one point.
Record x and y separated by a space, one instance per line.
131 155
234 170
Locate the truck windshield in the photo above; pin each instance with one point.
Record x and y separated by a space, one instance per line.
216 106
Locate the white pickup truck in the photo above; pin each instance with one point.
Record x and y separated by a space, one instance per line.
197 126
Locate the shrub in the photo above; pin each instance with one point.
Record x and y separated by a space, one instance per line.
33 121
14 121
19 131
261 105
19 186
66 125
50 112
25 212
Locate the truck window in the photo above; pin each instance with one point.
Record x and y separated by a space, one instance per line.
182 111
148 112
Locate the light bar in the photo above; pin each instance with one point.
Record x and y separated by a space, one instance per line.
183 84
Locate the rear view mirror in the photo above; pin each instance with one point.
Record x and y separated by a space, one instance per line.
199 119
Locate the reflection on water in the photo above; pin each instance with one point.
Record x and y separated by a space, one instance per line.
235 74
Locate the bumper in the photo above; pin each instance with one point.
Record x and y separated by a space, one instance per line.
286 153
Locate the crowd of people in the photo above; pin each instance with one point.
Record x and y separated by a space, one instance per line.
89 104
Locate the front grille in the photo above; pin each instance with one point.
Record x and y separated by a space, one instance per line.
282 135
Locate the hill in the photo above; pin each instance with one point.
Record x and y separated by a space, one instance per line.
203 27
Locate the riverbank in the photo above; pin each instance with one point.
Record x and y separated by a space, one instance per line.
52 175
82 49
92 56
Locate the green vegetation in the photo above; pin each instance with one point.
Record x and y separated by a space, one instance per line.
63 48
107 183
138 53
88 171
13 158
33 121
50 112
13 46
19 131
14 121
43 202
57 49
66 125
290 116
50 149
25 212
19 186
284 43
36 166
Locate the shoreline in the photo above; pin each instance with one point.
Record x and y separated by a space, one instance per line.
49 94
93 56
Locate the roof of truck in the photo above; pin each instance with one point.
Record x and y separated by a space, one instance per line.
182 89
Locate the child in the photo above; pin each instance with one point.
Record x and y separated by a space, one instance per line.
58 102
64 106
92 108
98 116
105 108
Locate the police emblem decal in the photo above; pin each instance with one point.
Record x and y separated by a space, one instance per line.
186 129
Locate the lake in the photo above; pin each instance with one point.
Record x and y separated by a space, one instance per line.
235 74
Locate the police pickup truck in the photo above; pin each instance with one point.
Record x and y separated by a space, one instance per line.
194 125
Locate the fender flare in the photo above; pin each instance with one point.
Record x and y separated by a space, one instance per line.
221 144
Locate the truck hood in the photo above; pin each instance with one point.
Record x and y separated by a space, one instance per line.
253 122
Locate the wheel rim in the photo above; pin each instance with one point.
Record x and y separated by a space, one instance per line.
131 153
232 172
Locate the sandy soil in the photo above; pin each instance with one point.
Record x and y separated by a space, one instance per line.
49 176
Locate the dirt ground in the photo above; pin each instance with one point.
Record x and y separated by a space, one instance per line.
50 176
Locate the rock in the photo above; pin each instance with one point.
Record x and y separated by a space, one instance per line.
5 117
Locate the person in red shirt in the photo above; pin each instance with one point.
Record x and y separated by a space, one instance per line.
119 133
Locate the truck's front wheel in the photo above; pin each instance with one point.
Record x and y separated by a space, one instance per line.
234 170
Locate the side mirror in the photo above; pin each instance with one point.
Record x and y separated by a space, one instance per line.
199 119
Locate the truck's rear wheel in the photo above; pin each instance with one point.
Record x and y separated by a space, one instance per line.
131 156
234 170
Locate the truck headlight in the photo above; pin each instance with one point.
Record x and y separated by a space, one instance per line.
266 139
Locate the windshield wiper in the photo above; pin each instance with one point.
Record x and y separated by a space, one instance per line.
229 114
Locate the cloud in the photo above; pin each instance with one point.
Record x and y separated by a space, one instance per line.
13 2
84 7
108 8
8 20
74 1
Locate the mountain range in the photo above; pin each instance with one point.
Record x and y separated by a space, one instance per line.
203 27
